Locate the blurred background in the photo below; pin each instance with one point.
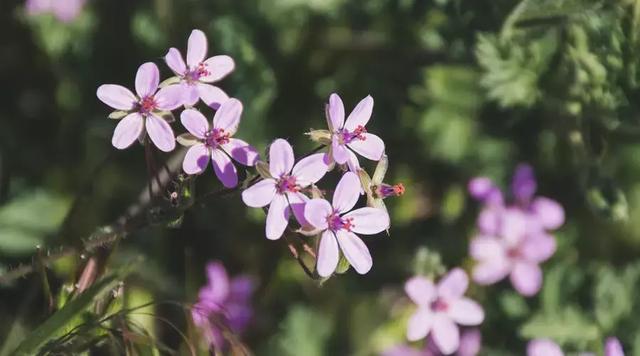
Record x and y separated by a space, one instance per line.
461 89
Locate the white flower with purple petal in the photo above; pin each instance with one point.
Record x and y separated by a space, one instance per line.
283 190
198 72
216 143
339 225
143 111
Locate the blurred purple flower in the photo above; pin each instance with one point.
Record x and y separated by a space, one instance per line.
470 344
612 347
546 347
351 135
440 308
514 238
283 188
63 10
223 304
338 227
216 142
196 74
143 109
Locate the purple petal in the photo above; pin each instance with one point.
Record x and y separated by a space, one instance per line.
481 187
68 10
485 248
465 311
241 151
543 347
420 323
218 287
328 254
347 192
490 272
147 79
549 212
195 122
190 93
420 290
445 334
513 226
241 289
117 96
160 133
196 48
211 95
538 248
489 220
524 183
353 164
127 131
170 97
228 116
355 251
310 169
316 212
339 151
239 316
335 112
360 115
277 218
196 159
368 221
372 147
453 284
470 342
613 347
175 62
280 158
224 168
260 194
218 68
297 202
526 278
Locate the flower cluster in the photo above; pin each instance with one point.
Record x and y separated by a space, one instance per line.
546 347
514 238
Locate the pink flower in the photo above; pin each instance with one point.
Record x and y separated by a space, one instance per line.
63 10
612 347
282 190
143 109
440 308
543 347
339 226
351 135
198 71
216 142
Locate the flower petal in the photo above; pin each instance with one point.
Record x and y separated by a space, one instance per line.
353 164
316 212
490 272
127 131
211 95
524 183
355 251
196 159
538 248
360 114
420 290
470 342
347 192
277 217
297 202
195 122
368 221
310 169
218 287
228 116
224 168
335 112
513 226
241 151
543 347
445 333
175 62
420 323
328 254
147 79
372 147
117 96
218 68
170 97
549 212
339 151
196 48
484 248
526 278
190 93
453 284
260 194
160 133
465 311
613 347
280 158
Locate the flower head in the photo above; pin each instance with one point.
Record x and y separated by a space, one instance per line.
143 111
63 10
216 142
339 225
196 74
283 190
440 308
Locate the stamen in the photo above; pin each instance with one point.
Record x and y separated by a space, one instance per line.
216 137
385 190
439 305
336 222
147 104
287 183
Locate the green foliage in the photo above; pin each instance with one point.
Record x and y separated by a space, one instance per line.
304 331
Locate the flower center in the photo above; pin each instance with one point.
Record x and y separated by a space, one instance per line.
439 305
287 183
513 253
146 104
336 222
216 137
385 190
358 134
194 75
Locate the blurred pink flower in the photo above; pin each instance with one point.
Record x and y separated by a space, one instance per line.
282 190
143 109
339 226
223 304
612 347
216 142
470 344
63 10
351 135
440 308
196 74
546 347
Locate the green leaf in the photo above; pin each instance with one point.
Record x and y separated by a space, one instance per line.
566 326
303 332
